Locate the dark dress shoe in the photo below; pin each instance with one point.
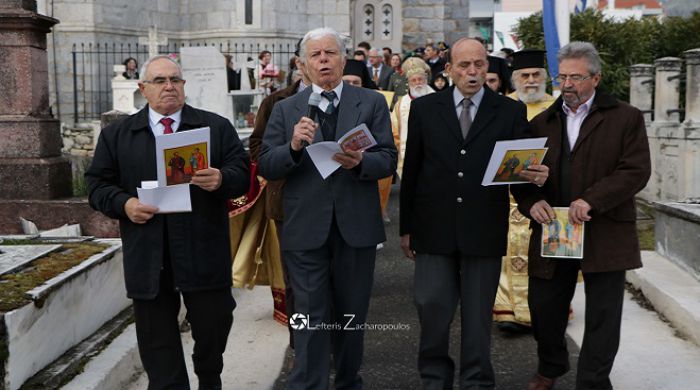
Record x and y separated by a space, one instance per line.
539 382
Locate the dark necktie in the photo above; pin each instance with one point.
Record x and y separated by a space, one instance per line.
167 125
330 96
465 119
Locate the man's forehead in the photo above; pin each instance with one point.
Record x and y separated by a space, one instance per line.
323 43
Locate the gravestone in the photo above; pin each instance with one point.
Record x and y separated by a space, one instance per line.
206 88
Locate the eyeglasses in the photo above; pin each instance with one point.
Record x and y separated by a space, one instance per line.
526 76
162 81
574 78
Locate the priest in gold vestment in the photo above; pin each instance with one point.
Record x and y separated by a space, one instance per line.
511 310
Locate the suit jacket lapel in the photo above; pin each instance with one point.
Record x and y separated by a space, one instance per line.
484 115
448 112
350 111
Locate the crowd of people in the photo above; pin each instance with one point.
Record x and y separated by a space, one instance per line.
436 121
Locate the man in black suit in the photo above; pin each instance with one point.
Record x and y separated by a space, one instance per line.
168 255
433 59
455 228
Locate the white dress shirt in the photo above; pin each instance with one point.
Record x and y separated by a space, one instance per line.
476 100
575 119
154 119
324 102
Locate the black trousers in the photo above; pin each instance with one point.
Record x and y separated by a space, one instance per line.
210 314
440 283
549 302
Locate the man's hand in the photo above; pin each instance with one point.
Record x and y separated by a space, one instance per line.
207 179
406 246
535 174
578 211
138 212
304 131
348 159
542 212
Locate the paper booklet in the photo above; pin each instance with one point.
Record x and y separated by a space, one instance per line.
358 139
511 157
178 156
561 238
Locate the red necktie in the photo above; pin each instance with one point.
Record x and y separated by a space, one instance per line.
167 124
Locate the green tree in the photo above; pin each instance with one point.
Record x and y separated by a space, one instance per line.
623 43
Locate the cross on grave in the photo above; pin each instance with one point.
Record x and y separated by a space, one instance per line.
153 41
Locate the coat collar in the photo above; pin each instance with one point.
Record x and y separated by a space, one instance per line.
191 119
601 102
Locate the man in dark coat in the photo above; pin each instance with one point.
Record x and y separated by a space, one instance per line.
599 159
455 228
168 255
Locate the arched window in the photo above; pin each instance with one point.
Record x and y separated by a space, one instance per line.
387 24
368 22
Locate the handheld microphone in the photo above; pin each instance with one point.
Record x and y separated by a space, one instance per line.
314 101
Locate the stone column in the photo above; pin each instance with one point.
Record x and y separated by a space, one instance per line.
667 89
31 165
692 85
641 88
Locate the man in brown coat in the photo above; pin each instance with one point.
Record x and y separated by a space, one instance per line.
598 159
273 190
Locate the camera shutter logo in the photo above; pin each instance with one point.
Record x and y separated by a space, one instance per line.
298 321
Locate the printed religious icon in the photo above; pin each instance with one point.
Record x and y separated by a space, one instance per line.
509 158
514 161
561 238
180 155
184 161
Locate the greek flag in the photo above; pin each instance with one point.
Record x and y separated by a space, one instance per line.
580 6
551 38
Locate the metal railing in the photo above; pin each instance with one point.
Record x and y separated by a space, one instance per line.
93 68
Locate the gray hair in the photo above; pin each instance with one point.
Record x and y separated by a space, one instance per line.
319 33
585 50
144 67
516 74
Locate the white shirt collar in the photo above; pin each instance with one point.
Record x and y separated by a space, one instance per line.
583 109
157 127
338 91
476 98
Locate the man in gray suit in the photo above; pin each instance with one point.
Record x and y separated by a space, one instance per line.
331 226
378 70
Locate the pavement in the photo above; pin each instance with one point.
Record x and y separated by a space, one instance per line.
654 355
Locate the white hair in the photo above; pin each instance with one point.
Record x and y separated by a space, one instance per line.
319 33
144 67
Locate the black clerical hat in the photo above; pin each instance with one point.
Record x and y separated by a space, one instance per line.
528 58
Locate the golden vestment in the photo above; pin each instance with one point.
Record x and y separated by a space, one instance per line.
511 297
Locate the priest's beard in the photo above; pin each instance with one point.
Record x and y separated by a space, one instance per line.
530 95
420 90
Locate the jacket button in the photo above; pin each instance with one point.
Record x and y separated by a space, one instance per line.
460 174
462 152
459 199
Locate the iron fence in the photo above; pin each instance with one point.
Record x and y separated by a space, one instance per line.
93 68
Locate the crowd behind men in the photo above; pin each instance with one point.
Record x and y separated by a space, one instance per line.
449 107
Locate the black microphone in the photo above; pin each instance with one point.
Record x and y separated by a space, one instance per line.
314 101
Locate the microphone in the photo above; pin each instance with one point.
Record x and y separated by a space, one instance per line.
314 101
